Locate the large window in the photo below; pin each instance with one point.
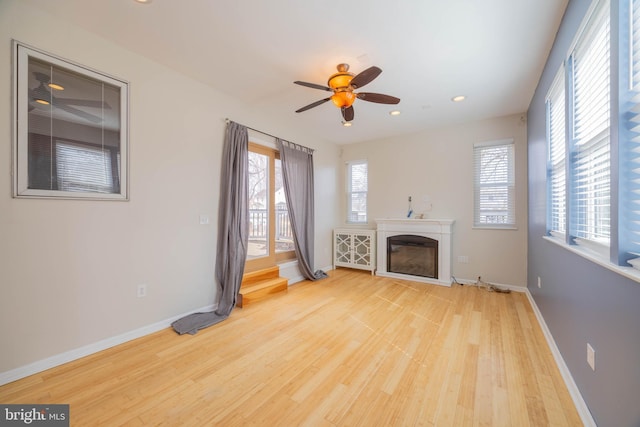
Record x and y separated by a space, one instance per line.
270 235
357 191
494 185
579 170
602 166
629 137
589 125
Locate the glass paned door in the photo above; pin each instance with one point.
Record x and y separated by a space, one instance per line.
270 232
284 234
258 205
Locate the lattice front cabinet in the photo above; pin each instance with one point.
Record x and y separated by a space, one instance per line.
354 249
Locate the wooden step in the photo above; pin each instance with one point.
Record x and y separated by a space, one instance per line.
257 291
259 275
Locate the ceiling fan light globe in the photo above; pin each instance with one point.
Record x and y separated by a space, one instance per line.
55 86
343 99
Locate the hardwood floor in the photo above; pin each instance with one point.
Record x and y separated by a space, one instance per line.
350 350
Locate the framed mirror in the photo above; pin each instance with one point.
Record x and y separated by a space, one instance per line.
70 129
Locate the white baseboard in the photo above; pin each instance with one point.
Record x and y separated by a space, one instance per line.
69 356
581 405
291 271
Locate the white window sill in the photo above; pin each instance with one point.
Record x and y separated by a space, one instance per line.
596 257
494 227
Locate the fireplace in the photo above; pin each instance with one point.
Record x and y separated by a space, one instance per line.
414 255
415 249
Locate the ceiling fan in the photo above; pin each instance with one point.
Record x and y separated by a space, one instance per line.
43 95
342 84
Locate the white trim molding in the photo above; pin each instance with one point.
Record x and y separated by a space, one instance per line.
78 353
574 392
578 400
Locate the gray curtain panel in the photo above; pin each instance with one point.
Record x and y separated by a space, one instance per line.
297 174
233 231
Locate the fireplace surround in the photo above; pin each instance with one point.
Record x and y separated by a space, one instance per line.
420 234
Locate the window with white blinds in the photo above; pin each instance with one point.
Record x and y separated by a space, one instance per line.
629 137
84 168
357 187
590 170
602 167
556 144
494 184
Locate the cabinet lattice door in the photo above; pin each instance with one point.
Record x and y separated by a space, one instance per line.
354 249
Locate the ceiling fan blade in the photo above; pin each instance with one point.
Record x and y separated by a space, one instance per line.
82 102
348 113
378 97
39 93
79 113
365 77
315 104
313 85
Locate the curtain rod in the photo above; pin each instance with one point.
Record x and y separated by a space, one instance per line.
227 121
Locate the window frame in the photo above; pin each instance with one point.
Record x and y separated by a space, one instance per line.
557 157
22 54
509 184
350 192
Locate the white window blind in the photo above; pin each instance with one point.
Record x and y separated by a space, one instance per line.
494 184
590 179
556 131
629 142
357 177
83 168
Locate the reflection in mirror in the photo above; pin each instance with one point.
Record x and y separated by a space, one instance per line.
71 139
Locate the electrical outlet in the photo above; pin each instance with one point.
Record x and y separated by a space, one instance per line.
539 282
591 356
142 290
204 219
463 259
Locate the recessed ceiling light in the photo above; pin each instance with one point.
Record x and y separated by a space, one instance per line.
346 124
55 86
395 112
143 1
458 98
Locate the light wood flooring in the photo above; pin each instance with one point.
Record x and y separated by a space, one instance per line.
350 350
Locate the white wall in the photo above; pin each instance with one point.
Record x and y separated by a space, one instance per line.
438 164
69 269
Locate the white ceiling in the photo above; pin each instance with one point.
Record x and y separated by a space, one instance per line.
492 51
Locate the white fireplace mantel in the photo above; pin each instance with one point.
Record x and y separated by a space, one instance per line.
437 229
